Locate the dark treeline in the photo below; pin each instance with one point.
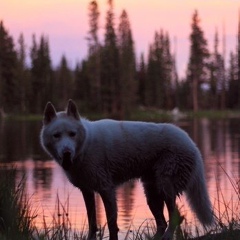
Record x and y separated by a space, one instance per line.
110 80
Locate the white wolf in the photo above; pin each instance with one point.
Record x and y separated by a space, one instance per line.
98 156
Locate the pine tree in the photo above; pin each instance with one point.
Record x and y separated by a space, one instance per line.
21 53
168 73
127 67
183 94
82 83
93 42
175 82
9 95
35 77
46 69
110 67
212 96
64 82
232 76
142 75
94 57
160 73
220 74
238 58
217 78
23 75
41 74
197 66
155 79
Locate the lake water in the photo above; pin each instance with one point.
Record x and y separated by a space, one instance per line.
218 140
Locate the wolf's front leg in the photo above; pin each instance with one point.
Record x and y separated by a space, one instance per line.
91 213
109 201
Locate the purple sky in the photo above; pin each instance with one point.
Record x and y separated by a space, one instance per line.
65 22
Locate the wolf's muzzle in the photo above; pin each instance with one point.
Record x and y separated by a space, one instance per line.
66 160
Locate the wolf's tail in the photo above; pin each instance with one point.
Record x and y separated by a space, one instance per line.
197 195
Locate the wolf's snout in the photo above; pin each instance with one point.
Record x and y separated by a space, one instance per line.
67 154
66 159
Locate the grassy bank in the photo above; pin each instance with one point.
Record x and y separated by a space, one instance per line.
156 115
16 214
145 114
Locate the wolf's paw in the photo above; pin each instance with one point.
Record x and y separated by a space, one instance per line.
92 237
168 235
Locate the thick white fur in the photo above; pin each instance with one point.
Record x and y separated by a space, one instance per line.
122 141
97 156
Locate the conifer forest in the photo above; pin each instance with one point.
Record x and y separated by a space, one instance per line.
112 79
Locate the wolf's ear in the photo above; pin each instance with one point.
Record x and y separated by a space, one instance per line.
49 113
72 110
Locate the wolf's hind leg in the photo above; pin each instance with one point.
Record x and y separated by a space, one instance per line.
156 205
169 196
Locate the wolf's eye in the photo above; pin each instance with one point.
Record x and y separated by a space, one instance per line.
57 135
72 134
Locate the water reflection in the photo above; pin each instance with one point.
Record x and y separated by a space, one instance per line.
19 141
218 141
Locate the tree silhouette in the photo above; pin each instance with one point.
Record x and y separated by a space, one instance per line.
9 95
110 67
23 76
238 59
217 88
107 79
233 89
64 83
127 67
197 66
41 74
142 78
160 73
82 84
93 63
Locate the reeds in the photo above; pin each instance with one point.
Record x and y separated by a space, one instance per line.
16 214
60 227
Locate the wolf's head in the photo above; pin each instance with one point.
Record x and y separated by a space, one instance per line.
62 134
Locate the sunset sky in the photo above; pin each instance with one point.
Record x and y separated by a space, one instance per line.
65 22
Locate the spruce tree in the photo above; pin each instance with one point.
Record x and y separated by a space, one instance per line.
82 84
64 82
127 67
155 71
217 78
93 41
160 73
110 67
35 77
142 75
41 74
175 81
9 94
168 73
93 63
232 76
238 59
197 65
23 76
